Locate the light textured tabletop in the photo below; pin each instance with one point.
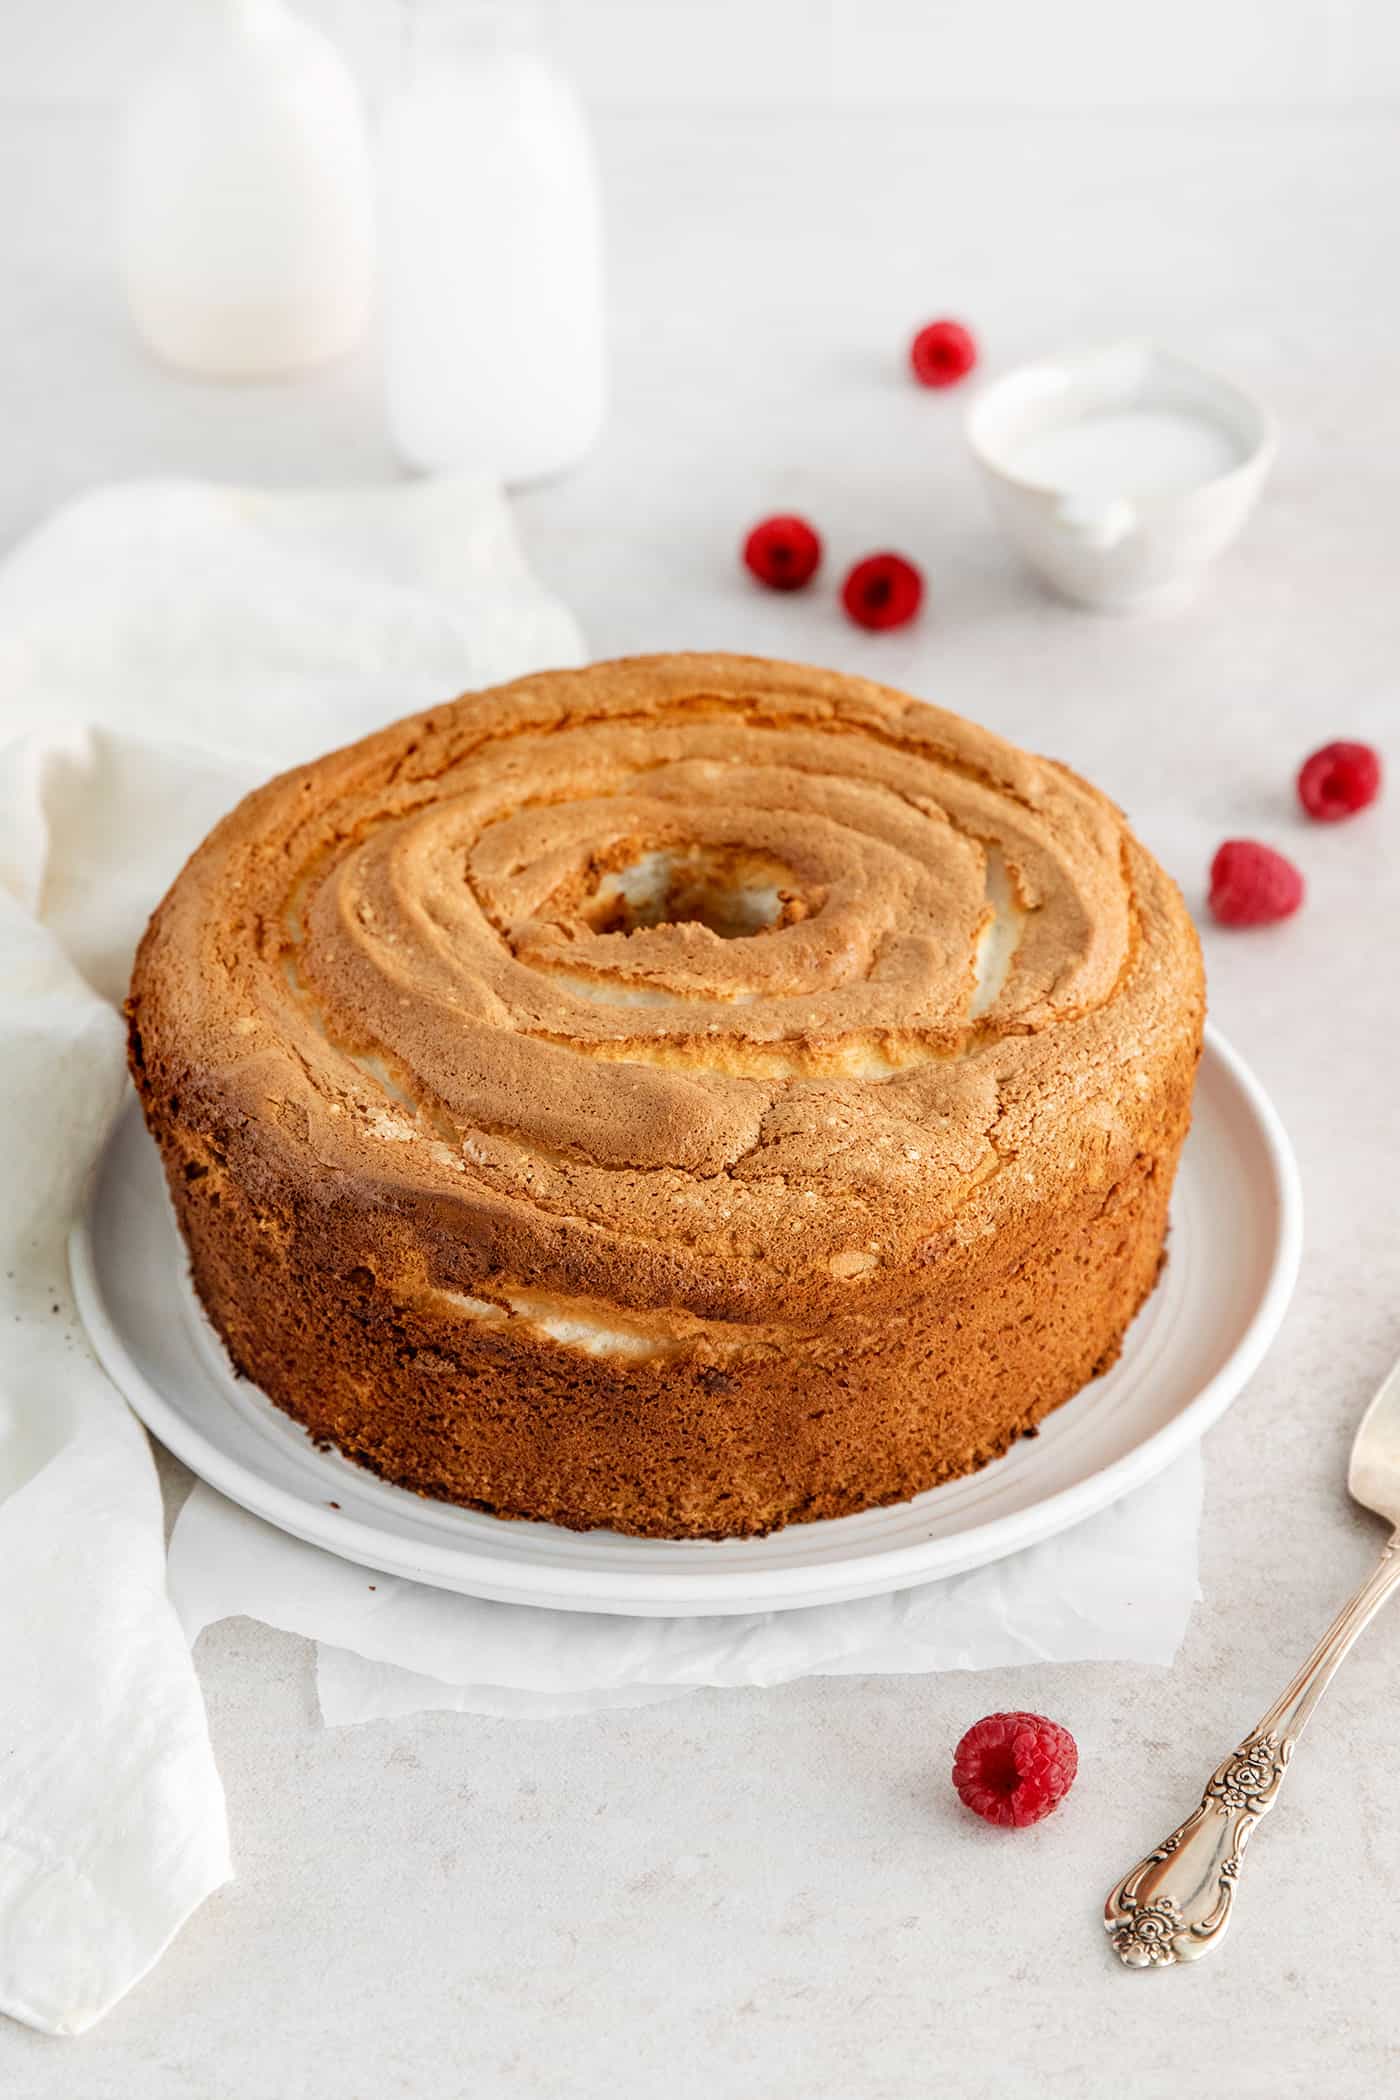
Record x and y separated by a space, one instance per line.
775 1893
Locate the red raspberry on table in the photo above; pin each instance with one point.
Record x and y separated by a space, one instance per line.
1339 780
1014 1768
783 553
942 354
1251 885
884 590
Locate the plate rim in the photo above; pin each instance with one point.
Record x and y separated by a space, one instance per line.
718 1591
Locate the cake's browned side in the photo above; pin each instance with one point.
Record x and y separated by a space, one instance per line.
874 1334
935 1378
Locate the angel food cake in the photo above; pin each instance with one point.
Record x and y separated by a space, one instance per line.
689 1095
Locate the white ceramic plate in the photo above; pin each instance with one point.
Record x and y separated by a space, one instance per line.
1236 1233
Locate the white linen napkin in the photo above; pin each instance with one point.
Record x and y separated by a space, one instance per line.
212 635
111 1813
263 628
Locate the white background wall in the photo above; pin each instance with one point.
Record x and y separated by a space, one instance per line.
1016 53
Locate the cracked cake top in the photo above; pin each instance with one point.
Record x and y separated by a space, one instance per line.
677 969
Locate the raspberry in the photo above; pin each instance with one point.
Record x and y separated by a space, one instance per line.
783 553
1339 780
1251 885
1014 1768
884 590
942 354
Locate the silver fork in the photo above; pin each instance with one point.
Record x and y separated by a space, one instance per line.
1175 1904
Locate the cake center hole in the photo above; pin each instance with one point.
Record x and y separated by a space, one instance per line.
732 890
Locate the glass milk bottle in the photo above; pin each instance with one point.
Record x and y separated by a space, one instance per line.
492 251
245 196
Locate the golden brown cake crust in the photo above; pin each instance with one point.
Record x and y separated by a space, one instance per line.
687 1095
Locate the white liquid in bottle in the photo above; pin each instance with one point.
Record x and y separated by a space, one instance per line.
493 306
245 198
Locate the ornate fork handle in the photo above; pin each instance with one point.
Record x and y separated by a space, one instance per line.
1175 1904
